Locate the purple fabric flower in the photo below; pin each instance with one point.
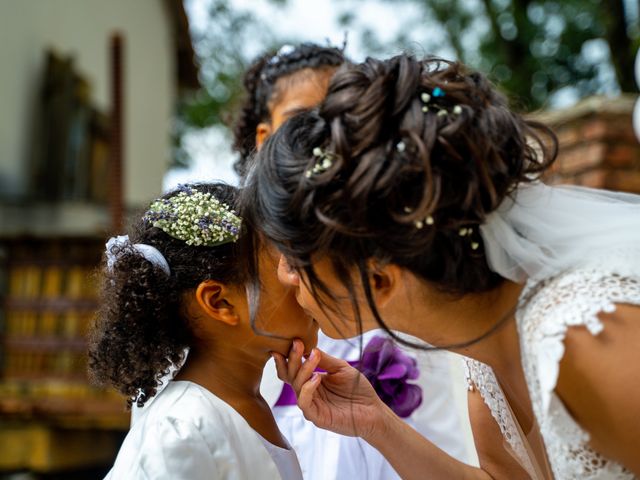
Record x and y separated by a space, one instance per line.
388 369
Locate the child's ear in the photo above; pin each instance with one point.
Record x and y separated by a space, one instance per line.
263 131
217 301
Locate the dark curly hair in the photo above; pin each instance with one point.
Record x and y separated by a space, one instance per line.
421 151
141 329
260 82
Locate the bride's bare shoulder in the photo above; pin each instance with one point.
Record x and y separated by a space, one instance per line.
599 383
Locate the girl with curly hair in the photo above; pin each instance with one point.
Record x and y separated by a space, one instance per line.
177 283
410 200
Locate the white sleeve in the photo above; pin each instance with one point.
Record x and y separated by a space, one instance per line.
574 299
176 449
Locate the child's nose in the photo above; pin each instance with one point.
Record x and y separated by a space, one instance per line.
286 274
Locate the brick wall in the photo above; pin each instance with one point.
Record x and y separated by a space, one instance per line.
598 146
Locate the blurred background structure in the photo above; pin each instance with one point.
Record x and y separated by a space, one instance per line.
103 106
88 96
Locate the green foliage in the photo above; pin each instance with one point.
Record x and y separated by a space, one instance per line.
532 48
223 51
535 48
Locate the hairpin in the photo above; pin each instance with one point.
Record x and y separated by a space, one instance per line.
438 92
421 223
323 162
196 217
282 52
466 232
441 111
428 220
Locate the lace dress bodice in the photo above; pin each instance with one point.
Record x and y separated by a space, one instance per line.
574 298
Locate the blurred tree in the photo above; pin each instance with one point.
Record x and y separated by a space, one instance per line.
224 49
534 48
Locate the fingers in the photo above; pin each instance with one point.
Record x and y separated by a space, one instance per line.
306 371
331 364
290 368
305 398
295 358
281 366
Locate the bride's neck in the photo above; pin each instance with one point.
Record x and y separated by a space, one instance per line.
444 320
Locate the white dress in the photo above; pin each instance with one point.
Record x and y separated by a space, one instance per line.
574 298
325 455
189 433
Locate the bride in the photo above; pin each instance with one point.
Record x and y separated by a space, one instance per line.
409 201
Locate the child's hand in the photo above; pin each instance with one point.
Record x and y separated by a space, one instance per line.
341 400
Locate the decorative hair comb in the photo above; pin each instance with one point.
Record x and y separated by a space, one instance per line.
282 52
324 160
436 93
195 217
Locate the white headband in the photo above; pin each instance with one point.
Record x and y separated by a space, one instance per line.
151 254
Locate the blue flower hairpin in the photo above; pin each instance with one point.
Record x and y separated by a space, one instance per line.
436 93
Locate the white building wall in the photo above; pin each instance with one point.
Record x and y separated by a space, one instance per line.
83 28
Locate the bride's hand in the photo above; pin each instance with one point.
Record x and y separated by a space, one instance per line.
341 400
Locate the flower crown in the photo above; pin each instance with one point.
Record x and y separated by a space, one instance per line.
196 217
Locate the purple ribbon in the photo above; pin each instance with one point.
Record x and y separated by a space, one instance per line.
389 370
287 397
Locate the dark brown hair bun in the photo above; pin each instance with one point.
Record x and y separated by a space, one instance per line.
402 162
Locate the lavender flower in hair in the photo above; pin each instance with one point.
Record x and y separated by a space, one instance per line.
195 217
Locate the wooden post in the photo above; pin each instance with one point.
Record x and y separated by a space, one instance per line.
116 180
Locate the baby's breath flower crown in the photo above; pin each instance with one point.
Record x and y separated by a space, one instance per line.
195 217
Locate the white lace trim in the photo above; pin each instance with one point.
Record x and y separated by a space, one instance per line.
481 377
572 299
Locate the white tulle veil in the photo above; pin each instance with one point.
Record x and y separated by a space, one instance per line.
541 230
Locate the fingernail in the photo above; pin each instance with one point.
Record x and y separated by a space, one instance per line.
313 354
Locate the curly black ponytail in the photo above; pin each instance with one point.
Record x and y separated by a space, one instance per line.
259 84
140 329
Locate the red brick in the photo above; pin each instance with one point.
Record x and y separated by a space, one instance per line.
568 135
581 157
620 155
621 129
624 180
595 129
